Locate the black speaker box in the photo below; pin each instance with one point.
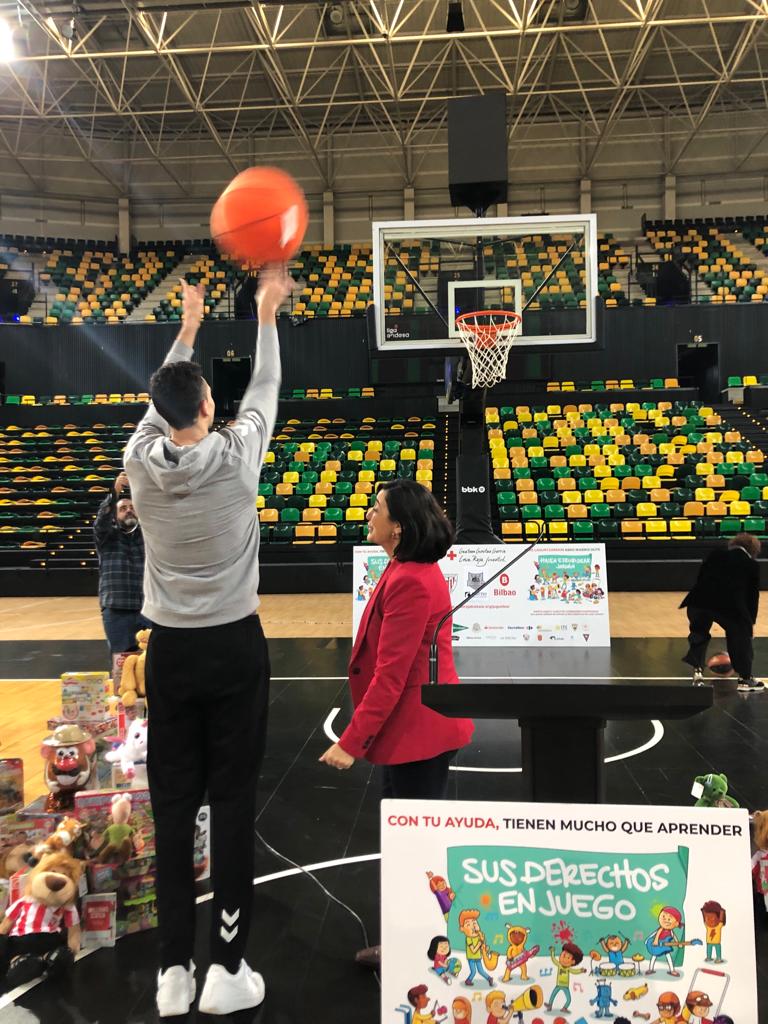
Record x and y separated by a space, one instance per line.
477 151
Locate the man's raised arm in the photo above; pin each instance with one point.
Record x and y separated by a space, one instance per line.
152 423
258 409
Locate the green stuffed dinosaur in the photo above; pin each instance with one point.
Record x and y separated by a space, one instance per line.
714 791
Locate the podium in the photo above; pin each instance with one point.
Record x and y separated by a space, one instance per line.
563 723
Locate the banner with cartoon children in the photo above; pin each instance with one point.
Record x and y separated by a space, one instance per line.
496 913
555 596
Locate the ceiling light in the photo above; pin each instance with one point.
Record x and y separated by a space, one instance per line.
455 21
7 48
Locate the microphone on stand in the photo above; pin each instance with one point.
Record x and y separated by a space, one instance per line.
433 664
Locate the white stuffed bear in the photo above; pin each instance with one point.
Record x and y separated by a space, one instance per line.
133 751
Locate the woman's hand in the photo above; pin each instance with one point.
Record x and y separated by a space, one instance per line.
335 757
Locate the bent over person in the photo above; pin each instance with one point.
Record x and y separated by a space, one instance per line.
207 671
727 591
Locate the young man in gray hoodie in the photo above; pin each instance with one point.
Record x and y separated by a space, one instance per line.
207 671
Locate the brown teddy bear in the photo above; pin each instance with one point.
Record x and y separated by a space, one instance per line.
132 679
42 927
14 858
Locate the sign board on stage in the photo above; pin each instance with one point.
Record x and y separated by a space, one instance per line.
555 596
597 910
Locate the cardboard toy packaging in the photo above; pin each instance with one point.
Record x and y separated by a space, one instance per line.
84 696
94 808
29 825
11 785
133 887
99 919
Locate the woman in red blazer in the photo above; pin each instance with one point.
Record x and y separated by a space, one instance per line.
390 659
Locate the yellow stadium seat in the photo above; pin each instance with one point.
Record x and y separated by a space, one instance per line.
681 527
739 508
646 508
354 515
656 528
704 494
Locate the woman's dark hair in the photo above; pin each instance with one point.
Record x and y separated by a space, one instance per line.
432 951
748 541
177 391
426 532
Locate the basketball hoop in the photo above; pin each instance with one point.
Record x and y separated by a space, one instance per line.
488 336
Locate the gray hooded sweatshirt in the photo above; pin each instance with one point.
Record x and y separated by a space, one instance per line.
197 504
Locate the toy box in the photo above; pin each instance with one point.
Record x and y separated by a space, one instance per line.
137 915
99 919
110 877
94 808
29 825
11 784
84 696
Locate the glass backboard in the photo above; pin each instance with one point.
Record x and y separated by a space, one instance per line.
428 272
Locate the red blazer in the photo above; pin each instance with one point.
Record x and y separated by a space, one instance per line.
390 663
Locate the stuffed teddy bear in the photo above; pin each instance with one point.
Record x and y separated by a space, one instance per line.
132 679
133 751
117 840
14 859
714 791
42 927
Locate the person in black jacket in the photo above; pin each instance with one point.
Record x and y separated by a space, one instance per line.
120 546
727 591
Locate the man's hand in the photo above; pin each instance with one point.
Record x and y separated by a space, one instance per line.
192 311
275 285
121 483
335 757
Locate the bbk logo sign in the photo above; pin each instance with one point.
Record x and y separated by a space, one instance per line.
473 490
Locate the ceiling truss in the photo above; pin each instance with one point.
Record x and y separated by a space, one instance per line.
163 82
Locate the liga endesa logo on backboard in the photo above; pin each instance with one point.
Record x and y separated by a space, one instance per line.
393 332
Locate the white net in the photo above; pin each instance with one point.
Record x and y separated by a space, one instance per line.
488 337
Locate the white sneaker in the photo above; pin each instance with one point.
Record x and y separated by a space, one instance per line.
175 990
698 677
227 993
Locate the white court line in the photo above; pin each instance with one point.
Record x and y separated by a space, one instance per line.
10 997
654 679
658 735
334 679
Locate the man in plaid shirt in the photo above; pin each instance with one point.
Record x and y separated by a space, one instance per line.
120 546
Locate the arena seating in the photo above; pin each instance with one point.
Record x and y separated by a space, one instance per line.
339 281
730 273
319 475
623 384
316 485
51 482
131 398
638 471
104 398
218 275
96 286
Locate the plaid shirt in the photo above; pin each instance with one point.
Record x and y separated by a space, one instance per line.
121 560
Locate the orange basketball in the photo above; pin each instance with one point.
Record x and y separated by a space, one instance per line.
260 217
720 664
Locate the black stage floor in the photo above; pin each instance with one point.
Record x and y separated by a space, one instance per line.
302 942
